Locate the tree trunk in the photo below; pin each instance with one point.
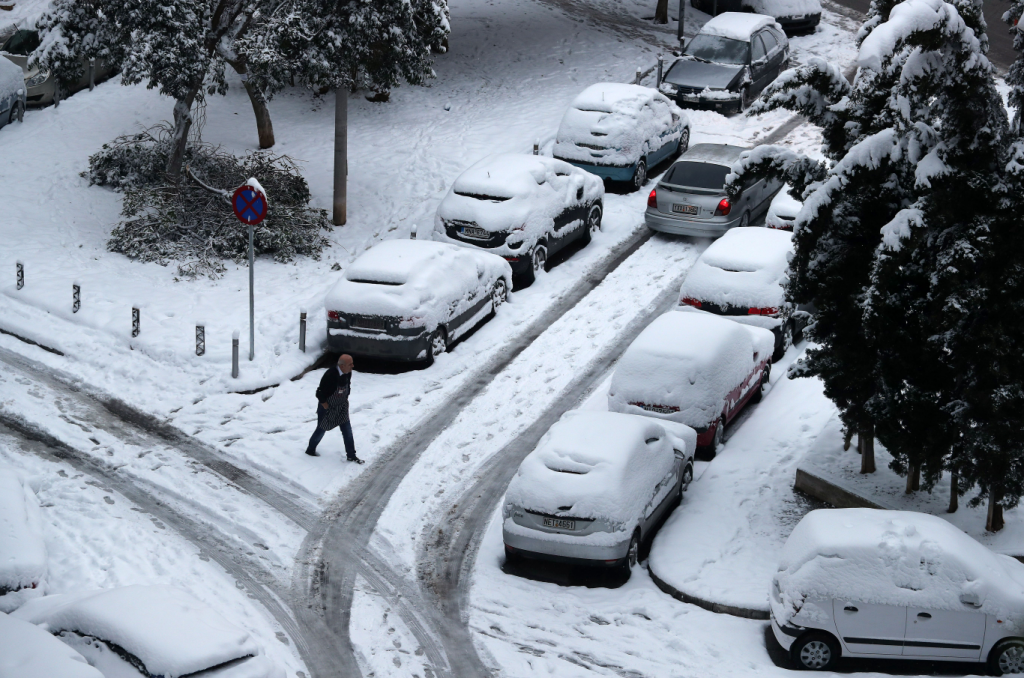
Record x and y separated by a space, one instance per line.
264 127
994 521
954 492
661 12
182 125
912 473
847 437
866 447
917 477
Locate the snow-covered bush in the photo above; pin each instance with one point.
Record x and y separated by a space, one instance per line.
192 223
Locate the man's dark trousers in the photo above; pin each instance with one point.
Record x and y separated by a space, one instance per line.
318 434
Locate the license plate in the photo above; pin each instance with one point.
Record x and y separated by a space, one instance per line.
471 232
559 524
685 209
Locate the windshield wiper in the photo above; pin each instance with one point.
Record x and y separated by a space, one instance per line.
697 58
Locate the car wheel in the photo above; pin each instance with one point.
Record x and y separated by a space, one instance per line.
1007 658
640 175
745 99
745 220
687 477
815 652
593 224
538 259
438 344
18 112
684 142
759 393
784 341
716 442
632 555
499 293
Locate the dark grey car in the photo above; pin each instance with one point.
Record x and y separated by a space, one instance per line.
690 198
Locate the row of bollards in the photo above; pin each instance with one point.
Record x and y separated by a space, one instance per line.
76 305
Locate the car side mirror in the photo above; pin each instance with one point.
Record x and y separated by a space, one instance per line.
970 599
679 454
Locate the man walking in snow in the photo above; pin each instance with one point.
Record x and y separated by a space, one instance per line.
332 407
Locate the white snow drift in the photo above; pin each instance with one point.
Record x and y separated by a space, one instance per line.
27 651
22 550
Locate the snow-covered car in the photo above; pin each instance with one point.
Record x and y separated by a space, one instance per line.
618 131
690 197
783 210
874 583
22 550
42 88
728 63
795 16
521 207
150 631
27 651
596 488
742 276
411 299
693 368
12 93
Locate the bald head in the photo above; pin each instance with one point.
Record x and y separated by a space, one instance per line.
345 363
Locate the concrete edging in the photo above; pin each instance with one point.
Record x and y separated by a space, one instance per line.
820 484
720 608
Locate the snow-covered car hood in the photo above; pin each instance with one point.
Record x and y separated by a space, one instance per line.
12 78
746 267
168 630
22 550
601 465
27 651
689 72
414 279
899 558
783 9
689 361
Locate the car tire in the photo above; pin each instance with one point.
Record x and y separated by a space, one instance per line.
783 341
632 555
815 651
592 224
745 99
17 112
687 478
759 393
1007 657
639 174
716 442
684 142
438 344
745 219
530 274
499 294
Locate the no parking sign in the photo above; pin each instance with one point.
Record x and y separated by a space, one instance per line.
249 204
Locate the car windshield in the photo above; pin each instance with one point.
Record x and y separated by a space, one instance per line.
22 43
697 175
718 49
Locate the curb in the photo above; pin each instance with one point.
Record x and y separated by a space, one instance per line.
735 611
821 484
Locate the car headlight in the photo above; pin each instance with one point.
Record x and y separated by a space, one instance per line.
37 79
669 88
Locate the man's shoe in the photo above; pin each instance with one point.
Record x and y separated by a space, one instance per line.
357 460
314 453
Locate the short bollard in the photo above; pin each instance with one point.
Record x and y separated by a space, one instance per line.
200 339
136 325
302 331
76 298
661 67
536 148
234 354
639 74
21 275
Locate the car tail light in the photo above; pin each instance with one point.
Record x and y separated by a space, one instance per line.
724 207
762 311
690 301
652 199
333 315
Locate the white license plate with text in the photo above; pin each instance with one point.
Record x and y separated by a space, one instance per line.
560 524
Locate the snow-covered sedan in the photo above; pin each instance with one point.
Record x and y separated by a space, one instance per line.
12 93
742 276
410 300
27 651
693 368
728 63
690 197
150 631
795 16
783 210
596 488
618 131
895 584
22 550
521 207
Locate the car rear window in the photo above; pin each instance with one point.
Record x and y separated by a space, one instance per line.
697 175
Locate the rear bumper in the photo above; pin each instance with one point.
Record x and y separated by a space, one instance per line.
605 171
520 264
730 106
804 24
562 552
657 221
379 346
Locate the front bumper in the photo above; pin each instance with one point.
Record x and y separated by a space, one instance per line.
406 349
562 552
657 221
726 106
605 171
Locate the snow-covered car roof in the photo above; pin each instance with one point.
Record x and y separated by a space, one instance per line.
690 361
168 630
784 8
413 278
508 175
737 25
27 651
745 267
896 558
22 550
784 205
603 465
12 78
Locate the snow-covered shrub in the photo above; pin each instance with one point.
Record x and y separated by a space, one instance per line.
192 223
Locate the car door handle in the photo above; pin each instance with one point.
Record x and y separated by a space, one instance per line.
923 615
850 608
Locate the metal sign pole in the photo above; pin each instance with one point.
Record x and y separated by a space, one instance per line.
252 301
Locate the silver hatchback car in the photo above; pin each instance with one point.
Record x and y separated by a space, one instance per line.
690 198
